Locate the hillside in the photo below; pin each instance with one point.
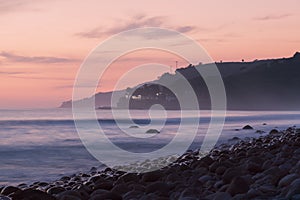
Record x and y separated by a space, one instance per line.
271 84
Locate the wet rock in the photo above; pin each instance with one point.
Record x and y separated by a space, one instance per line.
247 127
4 198
128 177
9 190
160 188
55 190
132 195
93 170
120 188
274 131
65 178
231 173
134 126
106 185
207 160
107 195
294 188
205 178
149 197
189 193
254 193
238 186
259 131
285 181
253 167
152 131
222 196
152 176
32 195
221 170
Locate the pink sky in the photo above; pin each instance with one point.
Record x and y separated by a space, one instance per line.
44 42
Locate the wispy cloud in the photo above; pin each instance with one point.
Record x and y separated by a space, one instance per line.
8 6
11 73
137 21
11 57
273 17
25 75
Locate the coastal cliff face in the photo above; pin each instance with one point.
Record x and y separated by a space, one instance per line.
271 84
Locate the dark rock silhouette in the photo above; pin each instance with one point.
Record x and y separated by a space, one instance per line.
247 127
152 131
274 131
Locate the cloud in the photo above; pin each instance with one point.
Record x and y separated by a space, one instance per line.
11 73
185 29
272 17
7 6
35 59
24 75
137 21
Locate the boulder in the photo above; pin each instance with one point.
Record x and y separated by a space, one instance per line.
222 196
231 173
274 131
159 187
152 131
55 190
294 189
285 181
32 195
9 190
152 176
238 186
247 127
4 198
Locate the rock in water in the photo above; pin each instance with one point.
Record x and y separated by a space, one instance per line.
247 127
260 132
273 131
134 127
152 131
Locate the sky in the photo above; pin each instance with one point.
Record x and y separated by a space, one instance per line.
43 43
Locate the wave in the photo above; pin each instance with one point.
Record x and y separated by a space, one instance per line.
72 121
146 121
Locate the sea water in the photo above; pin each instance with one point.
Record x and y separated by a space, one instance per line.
43 145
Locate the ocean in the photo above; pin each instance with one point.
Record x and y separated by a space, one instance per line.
43 145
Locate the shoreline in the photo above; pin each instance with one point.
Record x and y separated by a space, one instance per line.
267 167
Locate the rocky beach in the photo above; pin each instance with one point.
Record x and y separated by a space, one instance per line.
267 167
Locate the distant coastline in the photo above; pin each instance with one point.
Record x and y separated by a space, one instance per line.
271 84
